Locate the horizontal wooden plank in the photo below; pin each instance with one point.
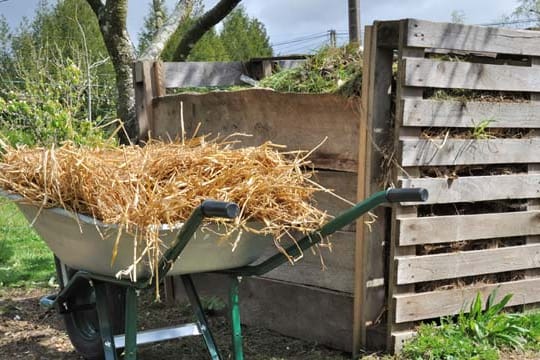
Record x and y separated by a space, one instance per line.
435 152
472 38
434 113
434 304
195 74
303 312
417 231
476 188
340 183
299 121
465 75
414 269
338 274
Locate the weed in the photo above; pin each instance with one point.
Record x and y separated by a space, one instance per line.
480 131
478 334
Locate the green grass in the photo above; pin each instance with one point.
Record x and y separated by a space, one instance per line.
478 334
25 260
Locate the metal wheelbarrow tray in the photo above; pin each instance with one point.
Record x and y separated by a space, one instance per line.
100 311
84 243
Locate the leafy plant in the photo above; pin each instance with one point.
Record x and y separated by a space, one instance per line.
478 334
48 104
330 70
480 130
491 326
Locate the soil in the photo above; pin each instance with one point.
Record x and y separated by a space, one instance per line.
30 332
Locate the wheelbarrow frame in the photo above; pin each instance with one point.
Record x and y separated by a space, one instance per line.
131 338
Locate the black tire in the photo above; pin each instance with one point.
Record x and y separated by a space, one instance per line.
82 326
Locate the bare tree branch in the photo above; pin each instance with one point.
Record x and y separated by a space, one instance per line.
202 25
97 6
164 33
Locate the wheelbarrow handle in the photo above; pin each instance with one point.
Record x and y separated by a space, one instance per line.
406 195
213 208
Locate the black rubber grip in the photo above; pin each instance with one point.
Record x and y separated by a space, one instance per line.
405 195
213 208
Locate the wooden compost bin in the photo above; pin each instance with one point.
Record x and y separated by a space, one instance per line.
480 229
476 153
325 306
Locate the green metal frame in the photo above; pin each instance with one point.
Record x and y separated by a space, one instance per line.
184 236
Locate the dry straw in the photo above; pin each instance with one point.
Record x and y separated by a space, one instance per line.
161 183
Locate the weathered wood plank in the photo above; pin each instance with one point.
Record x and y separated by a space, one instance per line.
476 188
399 338
402 93
442 229
469 151
465 75
195 74
414 269
303 312
434 113
369 250
339 262
434 304
428 34
342 184
300 121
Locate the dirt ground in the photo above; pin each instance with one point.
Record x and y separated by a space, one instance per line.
30 332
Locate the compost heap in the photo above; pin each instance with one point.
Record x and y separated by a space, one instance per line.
141 188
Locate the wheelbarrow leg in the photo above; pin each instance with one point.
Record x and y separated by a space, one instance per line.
234 312
201 319
131 324
105 328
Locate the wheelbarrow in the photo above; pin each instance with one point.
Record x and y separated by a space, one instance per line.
100 309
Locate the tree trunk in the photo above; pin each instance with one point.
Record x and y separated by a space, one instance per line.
112 22
112 16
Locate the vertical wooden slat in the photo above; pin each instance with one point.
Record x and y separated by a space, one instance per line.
376 111
359 327
534 204
143 97
399 211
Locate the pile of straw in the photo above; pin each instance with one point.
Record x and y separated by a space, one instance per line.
140 188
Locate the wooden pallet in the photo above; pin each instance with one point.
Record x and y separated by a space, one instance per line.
413 294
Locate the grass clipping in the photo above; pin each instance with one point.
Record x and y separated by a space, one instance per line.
140 188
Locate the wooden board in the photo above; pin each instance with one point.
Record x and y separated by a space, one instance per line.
338 273
465 75
434 113
342 184
434 304
300 121
443 229
431 152
414 269
304 312
427 34
476 188
196 74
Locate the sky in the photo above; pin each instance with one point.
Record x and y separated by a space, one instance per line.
307 22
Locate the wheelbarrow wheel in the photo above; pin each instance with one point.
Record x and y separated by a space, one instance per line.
82 326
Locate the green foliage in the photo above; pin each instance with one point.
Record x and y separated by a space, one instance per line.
491 326
478 334
244 37
69 31
330 70
241 38
24 257
48 106
446 342
481 131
